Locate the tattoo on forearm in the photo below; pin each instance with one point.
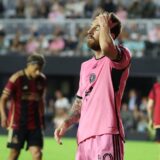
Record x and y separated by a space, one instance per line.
75 112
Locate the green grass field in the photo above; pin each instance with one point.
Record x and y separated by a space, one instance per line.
52 151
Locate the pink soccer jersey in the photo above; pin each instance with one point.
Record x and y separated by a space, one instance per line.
101 86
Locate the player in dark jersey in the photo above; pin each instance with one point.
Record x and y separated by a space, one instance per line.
25 121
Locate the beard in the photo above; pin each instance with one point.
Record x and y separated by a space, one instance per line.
93 44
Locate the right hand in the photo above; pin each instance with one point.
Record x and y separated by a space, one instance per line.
59 132
4 121
103 20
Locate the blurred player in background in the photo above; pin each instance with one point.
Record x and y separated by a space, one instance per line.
97 105
25 121
153 109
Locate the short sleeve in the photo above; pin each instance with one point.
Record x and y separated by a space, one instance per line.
124 59
9 88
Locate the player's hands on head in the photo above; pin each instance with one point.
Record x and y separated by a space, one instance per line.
59 132
103 20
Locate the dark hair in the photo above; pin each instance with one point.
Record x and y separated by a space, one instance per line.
116 30
36 59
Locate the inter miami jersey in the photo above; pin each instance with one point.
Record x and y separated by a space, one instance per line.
27 108
101 86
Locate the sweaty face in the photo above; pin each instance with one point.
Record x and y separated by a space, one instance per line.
93 36
34 70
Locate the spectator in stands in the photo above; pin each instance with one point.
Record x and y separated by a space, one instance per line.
31 10
10 9
135 44
57 44
32 44
43 44
43 9
16 45
153 42
134 11
25 120
136 116
74 8
142 124
148 9
108 5
88 9
127 118
62 107
122 13
20 9
3 47
142 116
56 13
133 100
143 105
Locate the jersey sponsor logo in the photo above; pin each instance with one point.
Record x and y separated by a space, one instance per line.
30 96
25 87
92 77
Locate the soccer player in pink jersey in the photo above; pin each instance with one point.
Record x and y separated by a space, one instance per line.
97 105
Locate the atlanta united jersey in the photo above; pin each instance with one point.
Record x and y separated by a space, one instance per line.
155 96
101 86
27 108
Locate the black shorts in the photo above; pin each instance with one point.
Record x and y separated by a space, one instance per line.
157 137
17 138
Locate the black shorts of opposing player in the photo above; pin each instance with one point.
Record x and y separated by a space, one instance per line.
157 137
17 138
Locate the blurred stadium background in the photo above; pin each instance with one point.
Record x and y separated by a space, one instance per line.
57 29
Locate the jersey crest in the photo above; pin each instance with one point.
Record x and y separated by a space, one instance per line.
92 77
